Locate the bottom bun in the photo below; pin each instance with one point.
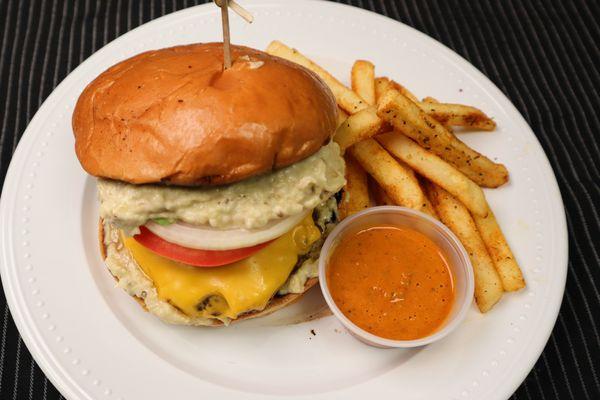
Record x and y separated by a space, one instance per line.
136 283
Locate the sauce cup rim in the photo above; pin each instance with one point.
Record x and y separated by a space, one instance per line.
449 326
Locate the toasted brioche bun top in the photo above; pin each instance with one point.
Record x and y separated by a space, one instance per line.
174 116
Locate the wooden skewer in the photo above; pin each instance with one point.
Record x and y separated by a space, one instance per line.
226 36
225 4
239 10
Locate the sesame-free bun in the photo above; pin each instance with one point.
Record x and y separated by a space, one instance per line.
174 116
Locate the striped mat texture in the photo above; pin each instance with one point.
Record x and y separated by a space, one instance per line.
544 55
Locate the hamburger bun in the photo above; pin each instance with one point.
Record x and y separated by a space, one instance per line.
131 277
174 116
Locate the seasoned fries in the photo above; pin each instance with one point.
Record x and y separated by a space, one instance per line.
397 181
432 100
488 286
504 260
379 196
384 84
356 192
409 119
458 115
357 127
341 117
346 98
428 207
381 169
363 80
436 170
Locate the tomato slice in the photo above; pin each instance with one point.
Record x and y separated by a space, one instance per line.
195 257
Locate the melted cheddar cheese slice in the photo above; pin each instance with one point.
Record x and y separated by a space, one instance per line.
230 290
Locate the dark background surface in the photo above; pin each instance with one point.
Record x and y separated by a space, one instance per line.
544 55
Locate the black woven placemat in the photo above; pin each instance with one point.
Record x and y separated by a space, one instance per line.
544 55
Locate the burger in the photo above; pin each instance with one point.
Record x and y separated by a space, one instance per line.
216 187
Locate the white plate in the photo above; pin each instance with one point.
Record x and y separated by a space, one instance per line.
93 341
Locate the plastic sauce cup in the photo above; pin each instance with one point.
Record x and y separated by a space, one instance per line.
402 217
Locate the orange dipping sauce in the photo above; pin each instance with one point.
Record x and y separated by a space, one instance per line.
392 282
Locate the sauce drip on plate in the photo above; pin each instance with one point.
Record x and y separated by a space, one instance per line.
392 282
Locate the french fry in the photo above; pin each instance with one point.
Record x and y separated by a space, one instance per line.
455 114
432 100
397 181
458 115
346 98
382 199
379 195
363 80
428 207
502 256
383 84
436 170
357 127
356 191
488 286
341 117
409 119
